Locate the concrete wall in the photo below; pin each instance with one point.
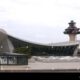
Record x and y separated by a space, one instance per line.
5 44
72 37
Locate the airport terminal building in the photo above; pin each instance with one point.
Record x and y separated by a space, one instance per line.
9 43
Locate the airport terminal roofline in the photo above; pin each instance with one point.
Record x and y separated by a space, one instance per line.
53 44
30 42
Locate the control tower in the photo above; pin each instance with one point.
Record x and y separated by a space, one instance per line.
72 31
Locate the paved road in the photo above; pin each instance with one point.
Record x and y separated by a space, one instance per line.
43 71
54 66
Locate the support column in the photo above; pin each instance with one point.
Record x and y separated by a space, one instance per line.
72 37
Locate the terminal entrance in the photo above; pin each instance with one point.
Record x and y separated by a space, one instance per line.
13 59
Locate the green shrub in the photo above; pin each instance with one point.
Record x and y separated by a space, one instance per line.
23 50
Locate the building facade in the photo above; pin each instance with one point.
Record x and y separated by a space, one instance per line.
8 44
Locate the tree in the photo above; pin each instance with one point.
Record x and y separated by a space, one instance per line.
24 50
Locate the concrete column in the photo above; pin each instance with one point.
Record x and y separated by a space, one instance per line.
72 37
76 51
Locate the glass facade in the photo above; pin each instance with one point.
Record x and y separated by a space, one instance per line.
13 60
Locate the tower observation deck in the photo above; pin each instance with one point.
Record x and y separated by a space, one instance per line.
72 31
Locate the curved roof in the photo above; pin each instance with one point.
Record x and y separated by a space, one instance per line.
13 39
25 41
53 44
3 31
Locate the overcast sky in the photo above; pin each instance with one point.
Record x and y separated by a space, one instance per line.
41 21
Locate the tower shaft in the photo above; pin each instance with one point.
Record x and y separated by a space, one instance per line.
72 37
